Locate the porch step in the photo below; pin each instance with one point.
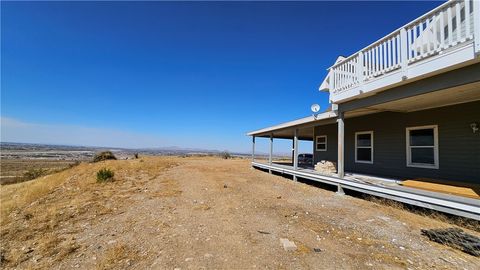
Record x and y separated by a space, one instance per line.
455 188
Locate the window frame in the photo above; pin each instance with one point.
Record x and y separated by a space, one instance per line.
409 162
316 143
371 146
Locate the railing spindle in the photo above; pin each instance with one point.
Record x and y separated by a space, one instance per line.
442 30
434 33
467 19
408 41
370 64
476 25
385 55
388 61
397 47
450 27
458 22
412 42
340 77
424 35
431 32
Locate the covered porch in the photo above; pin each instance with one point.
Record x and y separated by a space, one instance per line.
383 188
298 130
453 109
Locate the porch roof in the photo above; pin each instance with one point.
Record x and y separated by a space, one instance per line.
304 125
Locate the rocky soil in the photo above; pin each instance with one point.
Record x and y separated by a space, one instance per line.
210 213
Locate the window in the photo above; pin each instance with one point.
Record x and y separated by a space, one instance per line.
321 143
422 147
364 147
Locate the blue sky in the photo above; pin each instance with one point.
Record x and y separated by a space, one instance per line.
188 74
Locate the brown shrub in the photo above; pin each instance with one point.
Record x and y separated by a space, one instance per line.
105 155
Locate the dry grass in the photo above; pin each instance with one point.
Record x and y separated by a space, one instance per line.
19 195
152 215
118 256
32 213
466 223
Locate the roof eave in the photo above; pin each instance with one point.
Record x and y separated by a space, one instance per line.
294 123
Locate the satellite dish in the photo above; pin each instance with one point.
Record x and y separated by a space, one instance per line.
315 108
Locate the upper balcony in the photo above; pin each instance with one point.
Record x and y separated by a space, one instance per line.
443 39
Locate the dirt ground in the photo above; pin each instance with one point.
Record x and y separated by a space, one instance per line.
206 213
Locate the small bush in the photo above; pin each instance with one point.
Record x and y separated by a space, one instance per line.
105 155
225 155
135 155
76 163
105 175
34 173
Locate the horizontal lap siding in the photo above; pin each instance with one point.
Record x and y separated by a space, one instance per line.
459 148
331 153
388 143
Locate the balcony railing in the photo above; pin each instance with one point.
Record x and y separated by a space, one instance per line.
447 26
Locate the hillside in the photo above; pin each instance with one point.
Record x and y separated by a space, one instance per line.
205 212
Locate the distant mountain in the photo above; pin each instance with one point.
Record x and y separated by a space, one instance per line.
176 148
15 146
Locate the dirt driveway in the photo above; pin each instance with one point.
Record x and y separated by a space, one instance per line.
209 213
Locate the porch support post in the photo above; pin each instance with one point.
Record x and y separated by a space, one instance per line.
271 152
341 150
295 153
253 148
341 141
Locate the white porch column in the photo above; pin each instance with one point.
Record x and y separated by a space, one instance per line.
341 142
341 151
295 152
253 148
271 150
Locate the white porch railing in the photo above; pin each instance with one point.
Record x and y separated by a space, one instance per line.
449 25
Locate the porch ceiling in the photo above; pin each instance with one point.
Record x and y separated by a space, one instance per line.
450 96
304 126
446 97
305 134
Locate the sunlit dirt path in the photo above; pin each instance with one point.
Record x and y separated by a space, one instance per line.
210 213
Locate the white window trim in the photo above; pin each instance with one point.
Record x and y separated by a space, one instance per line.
435 148
371 146
316 143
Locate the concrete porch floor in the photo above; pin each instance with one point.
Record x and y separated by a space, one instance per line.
362 178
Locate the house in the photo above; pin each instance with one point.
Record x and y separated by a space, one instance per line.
406 107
